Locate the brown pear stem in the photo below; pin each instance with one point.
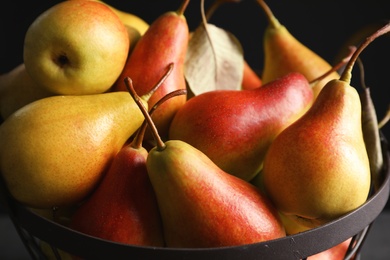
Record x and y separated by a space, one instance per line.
347 73
147 96
334 68
183 7
273 22
137 141
129 85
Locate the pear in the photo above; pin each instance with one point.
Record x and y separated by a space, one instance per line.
200 204
164 42
76 48
18 89
318 169
234 128
283 53
54 151
124 201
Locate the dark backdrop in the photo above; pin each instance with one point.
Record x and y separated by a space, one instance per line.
323 26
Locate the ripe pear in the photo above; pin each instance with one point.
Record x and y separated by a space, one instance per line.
190 187
283 53
234 128
318 168
18 89
76 47
54 151
200 204
163 43
124 201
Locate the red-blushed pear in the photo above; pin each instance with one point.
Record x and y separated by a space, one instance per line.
201 205
123 207
55 150
283 53
164 42
76 47
317 169
234 128
18 89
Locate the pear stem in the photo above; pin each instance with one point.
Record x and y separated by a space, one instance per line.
137 141
183 7
347 73
273 22
334 68
144 110
147 96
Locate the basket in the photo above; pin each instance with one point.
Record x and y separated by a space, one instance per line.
32 228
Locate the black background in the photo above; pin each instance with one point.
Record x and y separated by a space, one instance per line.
323 26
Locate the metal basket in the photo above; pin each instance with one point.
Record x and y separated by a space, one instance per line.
33 228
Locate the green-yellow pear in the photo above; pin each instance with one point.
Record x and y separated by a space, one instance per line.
283 53
317 169
54 151
76 47
18 89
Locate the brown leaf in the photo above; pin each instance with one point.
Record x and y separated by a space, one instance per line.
214 60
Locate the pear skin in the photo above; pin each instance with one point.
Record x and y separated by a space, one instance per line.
125 203
202 206
283 53
250 79
18 89
234 128
55 150
163 43
317 169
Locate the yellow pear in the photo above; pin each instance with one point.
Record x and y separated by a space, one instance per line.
76 47
17 89
283 53
54 151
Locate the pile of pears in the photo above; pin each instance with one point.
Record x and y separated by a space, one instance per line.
145 163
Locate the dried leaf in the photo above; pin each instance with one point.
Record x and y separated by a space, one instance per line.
214 60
